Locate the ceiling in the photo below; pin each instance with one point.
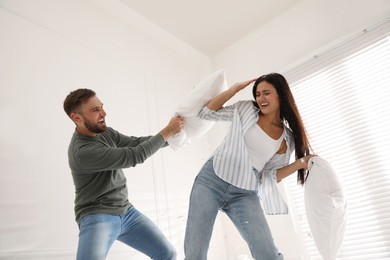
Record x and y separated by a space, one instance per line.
209 25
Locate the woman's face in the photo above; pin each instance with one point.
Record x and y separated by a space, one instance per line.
267 98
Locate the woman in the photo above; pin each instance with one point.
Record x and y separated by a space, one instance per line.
254 155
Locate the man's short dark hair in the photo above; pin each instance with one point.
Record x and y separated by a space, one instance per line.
76 98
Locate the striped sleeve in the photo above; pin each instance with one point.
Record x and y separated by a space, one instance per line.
223 114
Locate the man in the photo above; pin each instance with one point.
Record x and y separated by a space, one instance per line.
97 154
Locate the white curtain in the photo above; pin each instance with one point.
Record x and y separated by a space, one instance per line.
343 95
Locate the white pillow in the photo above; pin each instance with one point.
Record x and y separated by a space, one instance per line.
191 105
326 207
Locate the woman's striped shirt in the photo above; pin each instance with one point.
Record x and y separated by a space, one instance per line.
231 159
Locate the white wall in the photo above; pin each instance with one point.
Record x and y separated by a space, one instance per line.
50 47
298 33
306 29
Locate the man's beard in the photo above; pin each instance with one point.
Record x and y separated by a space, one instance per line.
95 127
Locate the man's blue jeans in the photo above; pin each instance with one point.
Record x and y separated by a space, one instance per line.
210 194
99 231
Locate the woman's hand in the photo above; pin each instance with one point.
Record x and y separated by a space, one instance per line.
217 102
241 85
293 167
304 161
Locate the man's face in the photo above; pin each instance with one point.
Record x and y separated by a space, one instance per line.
92 117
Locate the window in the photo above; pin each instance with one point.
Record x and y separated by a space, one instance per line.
343 96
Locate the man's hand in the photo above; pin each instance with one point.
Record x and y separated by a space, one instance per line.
174 126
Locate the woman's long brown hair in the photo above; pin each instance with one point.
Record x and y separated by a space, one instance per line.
288 113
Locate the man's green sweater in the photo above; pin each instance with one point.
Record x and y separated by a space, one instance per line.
96 164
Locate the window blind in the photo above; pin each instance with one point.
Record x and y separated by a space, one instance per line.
343 95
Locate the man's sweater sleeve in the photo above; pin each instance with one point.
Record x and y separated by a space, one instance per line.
97 156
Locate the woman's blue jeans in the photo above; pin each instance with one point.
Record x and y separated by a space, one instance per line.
210 194
99 231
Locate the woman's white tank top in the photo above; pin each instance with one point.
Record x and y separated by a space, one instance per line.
261 147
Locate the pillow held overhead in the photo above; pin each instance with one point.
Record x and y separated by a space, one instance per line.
326 207
191 105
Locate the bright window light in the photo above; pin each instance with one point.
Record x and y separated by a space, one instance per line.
344 98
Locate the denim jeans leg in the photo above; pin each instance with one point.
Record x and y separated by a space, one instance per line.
96 236
245 211
205 199
139 232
